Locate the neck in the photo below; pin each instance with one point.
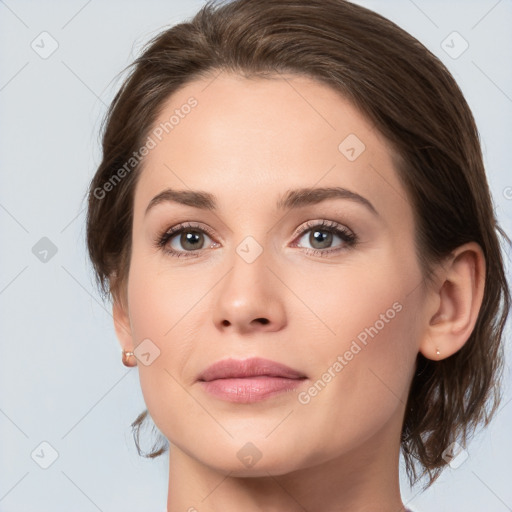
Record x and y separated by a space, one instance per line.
363 480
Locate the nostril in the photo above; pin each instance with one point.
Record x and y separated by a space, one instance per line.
263 320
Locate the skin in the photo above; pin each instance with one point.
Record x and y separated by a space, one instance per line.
248 142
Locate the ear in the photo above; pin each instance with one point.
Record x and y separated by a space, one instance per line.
122 324
456 302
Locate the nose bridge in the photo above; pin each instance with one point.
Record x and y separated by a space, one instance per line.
249 265
248 297
250 250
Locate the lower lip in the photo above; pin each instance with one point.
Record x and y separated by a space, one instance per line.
250 389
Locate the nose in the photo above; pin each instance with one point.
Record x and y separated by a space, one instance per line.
249 298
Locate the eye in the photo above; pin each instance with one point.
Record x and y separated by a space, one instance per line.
184 240
322 235
189 239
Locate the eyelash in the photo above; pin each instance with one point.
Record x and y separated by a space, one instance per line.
349 238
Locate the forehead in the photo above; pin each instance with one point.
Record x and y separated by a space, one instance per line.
246 139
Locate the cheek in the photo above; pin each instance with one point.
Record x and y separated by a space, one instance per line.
373 345
363 366
160 302
354 301
164 309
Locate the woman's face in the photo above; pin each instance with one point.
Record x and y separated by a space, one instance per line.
253 274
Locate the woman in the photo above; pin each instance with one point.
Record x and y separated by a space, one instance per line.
293 221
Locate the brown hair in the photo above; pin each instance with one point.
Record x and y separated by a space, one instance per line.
414 102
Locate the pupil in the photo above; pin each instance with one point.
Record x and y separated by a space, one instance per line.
191 238
324 237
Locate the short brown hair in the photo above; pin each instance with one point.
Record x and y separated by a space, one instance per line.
414 102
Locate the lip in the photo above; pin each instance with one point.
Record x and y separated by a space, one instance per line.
249 380
243 368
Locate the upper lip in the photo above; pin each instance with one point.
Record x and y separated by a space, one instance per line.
253 367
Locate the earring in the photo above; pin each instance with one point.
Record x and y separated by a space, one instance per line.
126 359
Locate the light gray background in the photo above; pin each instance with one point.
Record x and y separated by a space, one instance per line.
61 377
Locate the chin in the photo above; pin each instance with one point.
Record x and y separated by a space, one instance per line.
249 459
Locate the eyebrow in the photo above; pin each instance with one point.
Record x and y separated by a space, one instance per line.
290 200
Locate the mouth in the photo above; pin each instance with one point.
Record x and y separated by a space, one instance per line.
249 380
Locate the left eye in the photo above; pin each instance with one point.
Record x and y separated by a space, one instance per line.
322 236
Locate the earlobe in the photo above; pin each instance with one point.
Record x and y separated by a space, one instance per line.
122 325
457 303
